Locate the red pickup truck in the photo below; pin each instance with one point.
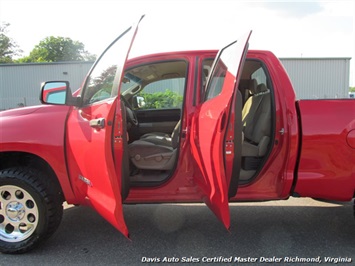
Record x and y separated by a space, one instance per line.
195 126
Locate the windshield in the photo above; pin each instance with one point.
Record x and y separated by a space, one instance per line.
130 83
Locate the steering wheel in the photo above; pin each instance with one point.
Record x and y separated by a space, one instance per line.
131 117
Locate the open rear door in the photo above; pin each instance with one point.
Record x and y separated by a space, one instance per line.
95 135
209 127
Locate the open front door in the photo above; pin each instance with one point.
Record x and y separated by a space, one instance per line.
210 125
95 135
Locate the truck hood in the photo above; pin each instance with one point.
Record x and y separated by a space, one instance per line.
21 111
37 125
33 113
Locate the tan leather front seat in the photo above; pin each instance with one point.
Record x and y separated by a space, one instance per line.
155 151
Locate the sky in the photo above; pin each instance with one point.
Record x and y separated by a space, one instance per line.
288 29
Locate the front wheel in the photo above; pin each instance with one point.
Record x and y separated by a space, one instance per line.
30 209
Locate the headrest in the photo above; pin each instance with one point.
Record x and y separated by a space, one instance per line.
261 88
253 86
243 84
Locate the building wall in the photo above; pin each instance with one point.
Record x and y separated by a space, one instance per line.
312 78
20 83
319 78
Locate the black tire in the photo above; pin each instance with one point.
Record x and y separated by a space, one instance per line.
30 209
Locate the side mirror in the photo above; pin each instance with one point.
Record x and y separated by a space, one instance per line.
56 92
139 102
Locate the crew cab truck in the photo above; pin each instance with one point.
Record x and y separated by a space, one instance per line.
193 126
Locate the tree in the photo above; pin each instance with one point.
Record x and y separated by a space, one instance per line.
55 49
352 89
8 47
160 100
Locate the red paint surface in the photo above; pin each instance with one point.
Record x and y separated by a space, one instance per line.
327 164
320 139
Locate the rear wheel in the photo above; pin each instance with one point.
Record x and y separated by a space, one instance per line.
30 209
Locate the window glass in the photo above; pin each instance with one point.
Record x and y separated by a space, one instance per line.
217 80
99 85
206 69
129 83
225 63
56 97
156 86
259 76
163 94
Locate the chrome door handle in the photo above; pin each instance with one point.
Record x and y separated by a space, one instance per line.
97 123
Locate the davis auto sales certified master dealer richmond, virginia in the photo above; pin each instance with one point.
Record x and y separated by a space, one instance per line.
231 259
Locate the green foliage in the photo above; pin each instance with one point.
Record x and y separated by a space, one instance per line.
352 89
8 48
161 100
56 49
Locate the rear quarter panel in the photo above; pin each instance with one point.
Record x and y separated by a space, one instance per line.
327 159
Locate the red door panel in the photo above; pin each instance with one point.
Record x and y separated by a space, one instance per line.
95 132
92 169
209 127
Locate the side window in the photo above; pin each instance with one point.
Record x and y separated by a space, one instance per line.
155 86
259 76
225 67
217 80
100 83
205 71
162 94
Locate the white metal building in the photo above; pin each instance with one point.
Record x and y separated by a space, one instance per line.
319 78
20 83
312 78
